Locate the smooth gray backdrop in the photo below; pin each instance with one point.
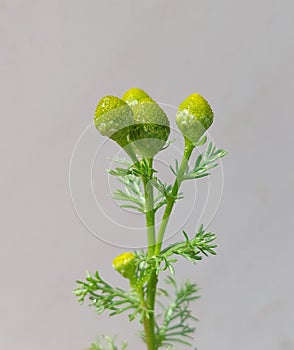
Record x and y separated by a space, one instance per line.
57 59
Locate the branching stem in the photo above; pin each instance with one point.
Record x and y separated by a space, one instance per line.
155 250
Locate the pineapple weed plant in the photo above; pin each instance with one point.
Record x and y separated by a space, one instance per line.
140 126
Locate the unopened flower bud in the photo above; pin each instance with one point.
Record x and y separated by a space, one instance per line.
194 117
125 265
113 118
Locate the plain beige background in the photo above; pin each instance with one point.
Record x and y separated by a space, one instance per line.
57 59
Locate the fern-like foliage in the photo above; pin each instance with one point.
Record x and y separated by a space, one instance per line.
203 163
192 249
103 297
107 343
132 196
132 193
176 317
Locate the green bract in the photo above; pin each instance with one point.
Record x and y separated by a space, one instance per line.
194 117
113 118
151 125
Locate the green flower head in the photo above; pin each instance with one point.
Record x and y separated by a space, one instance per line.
194 117
113 118
151 125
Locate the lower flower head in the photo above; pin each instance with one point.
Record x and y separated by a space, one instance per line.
125 265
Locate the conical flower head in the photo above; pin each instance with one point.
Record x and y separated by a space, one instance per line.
151 125
113 118
194 117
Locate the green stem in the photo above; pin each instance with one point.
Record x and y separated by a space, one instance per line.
129 150
150 302
149 331
171 201
148 319
150 213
